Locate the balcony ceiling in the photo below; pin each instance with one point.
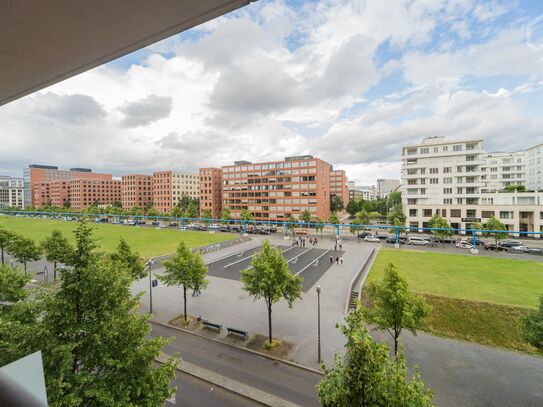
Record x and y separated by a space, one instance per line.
44 42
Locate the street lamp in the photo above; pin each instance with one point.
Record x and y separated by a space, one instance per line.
149 264
319 322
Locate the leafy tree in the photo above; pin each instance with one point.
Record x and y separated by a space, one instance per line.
123 258
185 200
177 212
319 224
186 269
363 216
24 249
334 220
292 223
117 204
355 224
439 222
532 326
305 216
226 215
96 348
513 188
57 249
336 204
394 201
206 214
135 211
495 227
394 306
396 218
246 215
191 211
354 206
152 211
270 279
5 238
366 376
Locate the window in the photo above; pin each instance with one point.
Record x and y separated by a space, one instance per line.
434 170
506 215
424 150
427 213
447 201
471 213
447 190
434 180
457 147
447 180
447 170
412 212
456 213
487 214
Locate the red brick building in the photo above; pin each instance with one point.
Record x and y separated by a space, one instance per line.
86 192
339 186
275 190
136 190
211 191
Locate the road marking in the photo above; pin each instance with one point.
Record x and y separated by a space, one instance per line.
316 262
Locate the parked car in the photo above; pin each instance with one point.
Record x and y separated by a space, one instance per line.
371 239
418 241
381 236
362 235
392 239
525 249
224 228
463 244
155 223
506 244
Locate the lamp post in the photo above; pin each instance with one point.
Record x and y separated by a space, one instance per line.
149 264
319 322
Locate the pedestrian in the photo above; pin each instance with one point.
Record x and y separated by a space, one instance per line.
331 260
195 291
337 259
341 259
340 247
316 241
335 247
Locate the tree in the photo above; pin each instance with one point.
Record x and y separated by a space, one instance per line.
124 259
513 188
96 348
152 211
319 224
394 306
24 250
57 249
363 216
495 228
270 279
177 212
394 201
185 200
186 269
336 204
366 376
246 215
206 214
532 326
292 222
355 225
135 211
191 211
353 207
226 215
5 238
305 216
334 220
440 223
396 218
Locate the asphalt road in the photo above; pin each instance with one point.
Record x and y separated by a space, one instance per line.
280 379
194 392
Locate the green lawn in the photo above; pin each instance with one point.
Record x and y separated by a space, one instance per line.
147 241
476 278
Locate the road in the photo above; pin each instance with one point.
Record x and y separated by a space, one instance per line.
288 382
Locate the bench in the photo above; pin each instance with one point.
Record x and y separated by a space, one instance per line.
213 325
239 332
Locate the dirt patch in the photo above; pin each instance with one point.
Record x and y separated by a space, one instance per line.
279 349
191 324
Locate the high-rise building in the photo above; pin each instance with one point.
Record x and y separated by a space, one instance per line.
211 191
170 186
275 190
11 192
39 174
136 190
86 192
501 170
386 186
338 185
534 167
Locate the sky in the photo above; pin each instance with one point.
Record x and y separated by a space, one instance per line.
350 82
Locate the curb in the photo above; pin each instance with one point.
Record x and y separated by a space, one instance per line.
230 385
275 359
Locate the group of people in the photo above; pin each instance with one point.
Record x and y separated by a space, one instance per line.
300 241
339 259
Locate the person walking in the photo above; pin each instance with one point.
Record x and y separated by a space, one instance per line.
341 247
341 260
335 247
331 260
337 259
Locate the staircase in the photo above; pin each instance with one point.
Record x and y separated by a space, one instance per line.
352 300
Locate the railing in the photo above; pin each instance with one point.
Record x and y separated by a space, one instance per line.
361 275
218 246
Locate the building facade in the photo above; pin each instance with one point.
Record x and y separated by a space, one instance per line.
364 192
12 192
211 191
386 186
534 168
338 185
275 190
136 190
87 192
39 174
170 186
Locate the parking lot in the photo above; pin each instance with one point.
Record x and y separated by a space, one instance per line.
310 263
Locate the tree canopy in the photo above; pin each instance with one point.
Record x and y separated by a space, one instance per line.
441 223
532 326
123 258
57 249
24 249
496 229
336 204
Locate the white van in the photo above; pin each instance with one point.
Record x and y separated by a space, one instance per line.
418 241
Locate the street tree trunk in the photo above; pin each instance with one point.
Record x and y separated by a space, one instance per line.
185 301
270 323
54 270
2 256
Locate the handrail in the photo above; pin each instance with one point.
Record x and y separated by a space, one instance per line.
355 279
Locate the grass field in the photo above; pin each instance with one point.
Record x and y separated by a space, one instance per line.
479 299
147 241
494 280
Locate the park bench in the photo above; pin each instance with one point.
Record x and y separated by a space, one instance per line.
212 325
239 332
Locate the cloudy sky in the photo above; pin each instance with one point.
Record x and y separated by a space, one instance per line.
348 81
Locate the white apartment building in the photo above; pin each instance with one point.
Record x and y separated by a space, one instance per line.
11 192
458 181
185 184
386 186
534 168
365 192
